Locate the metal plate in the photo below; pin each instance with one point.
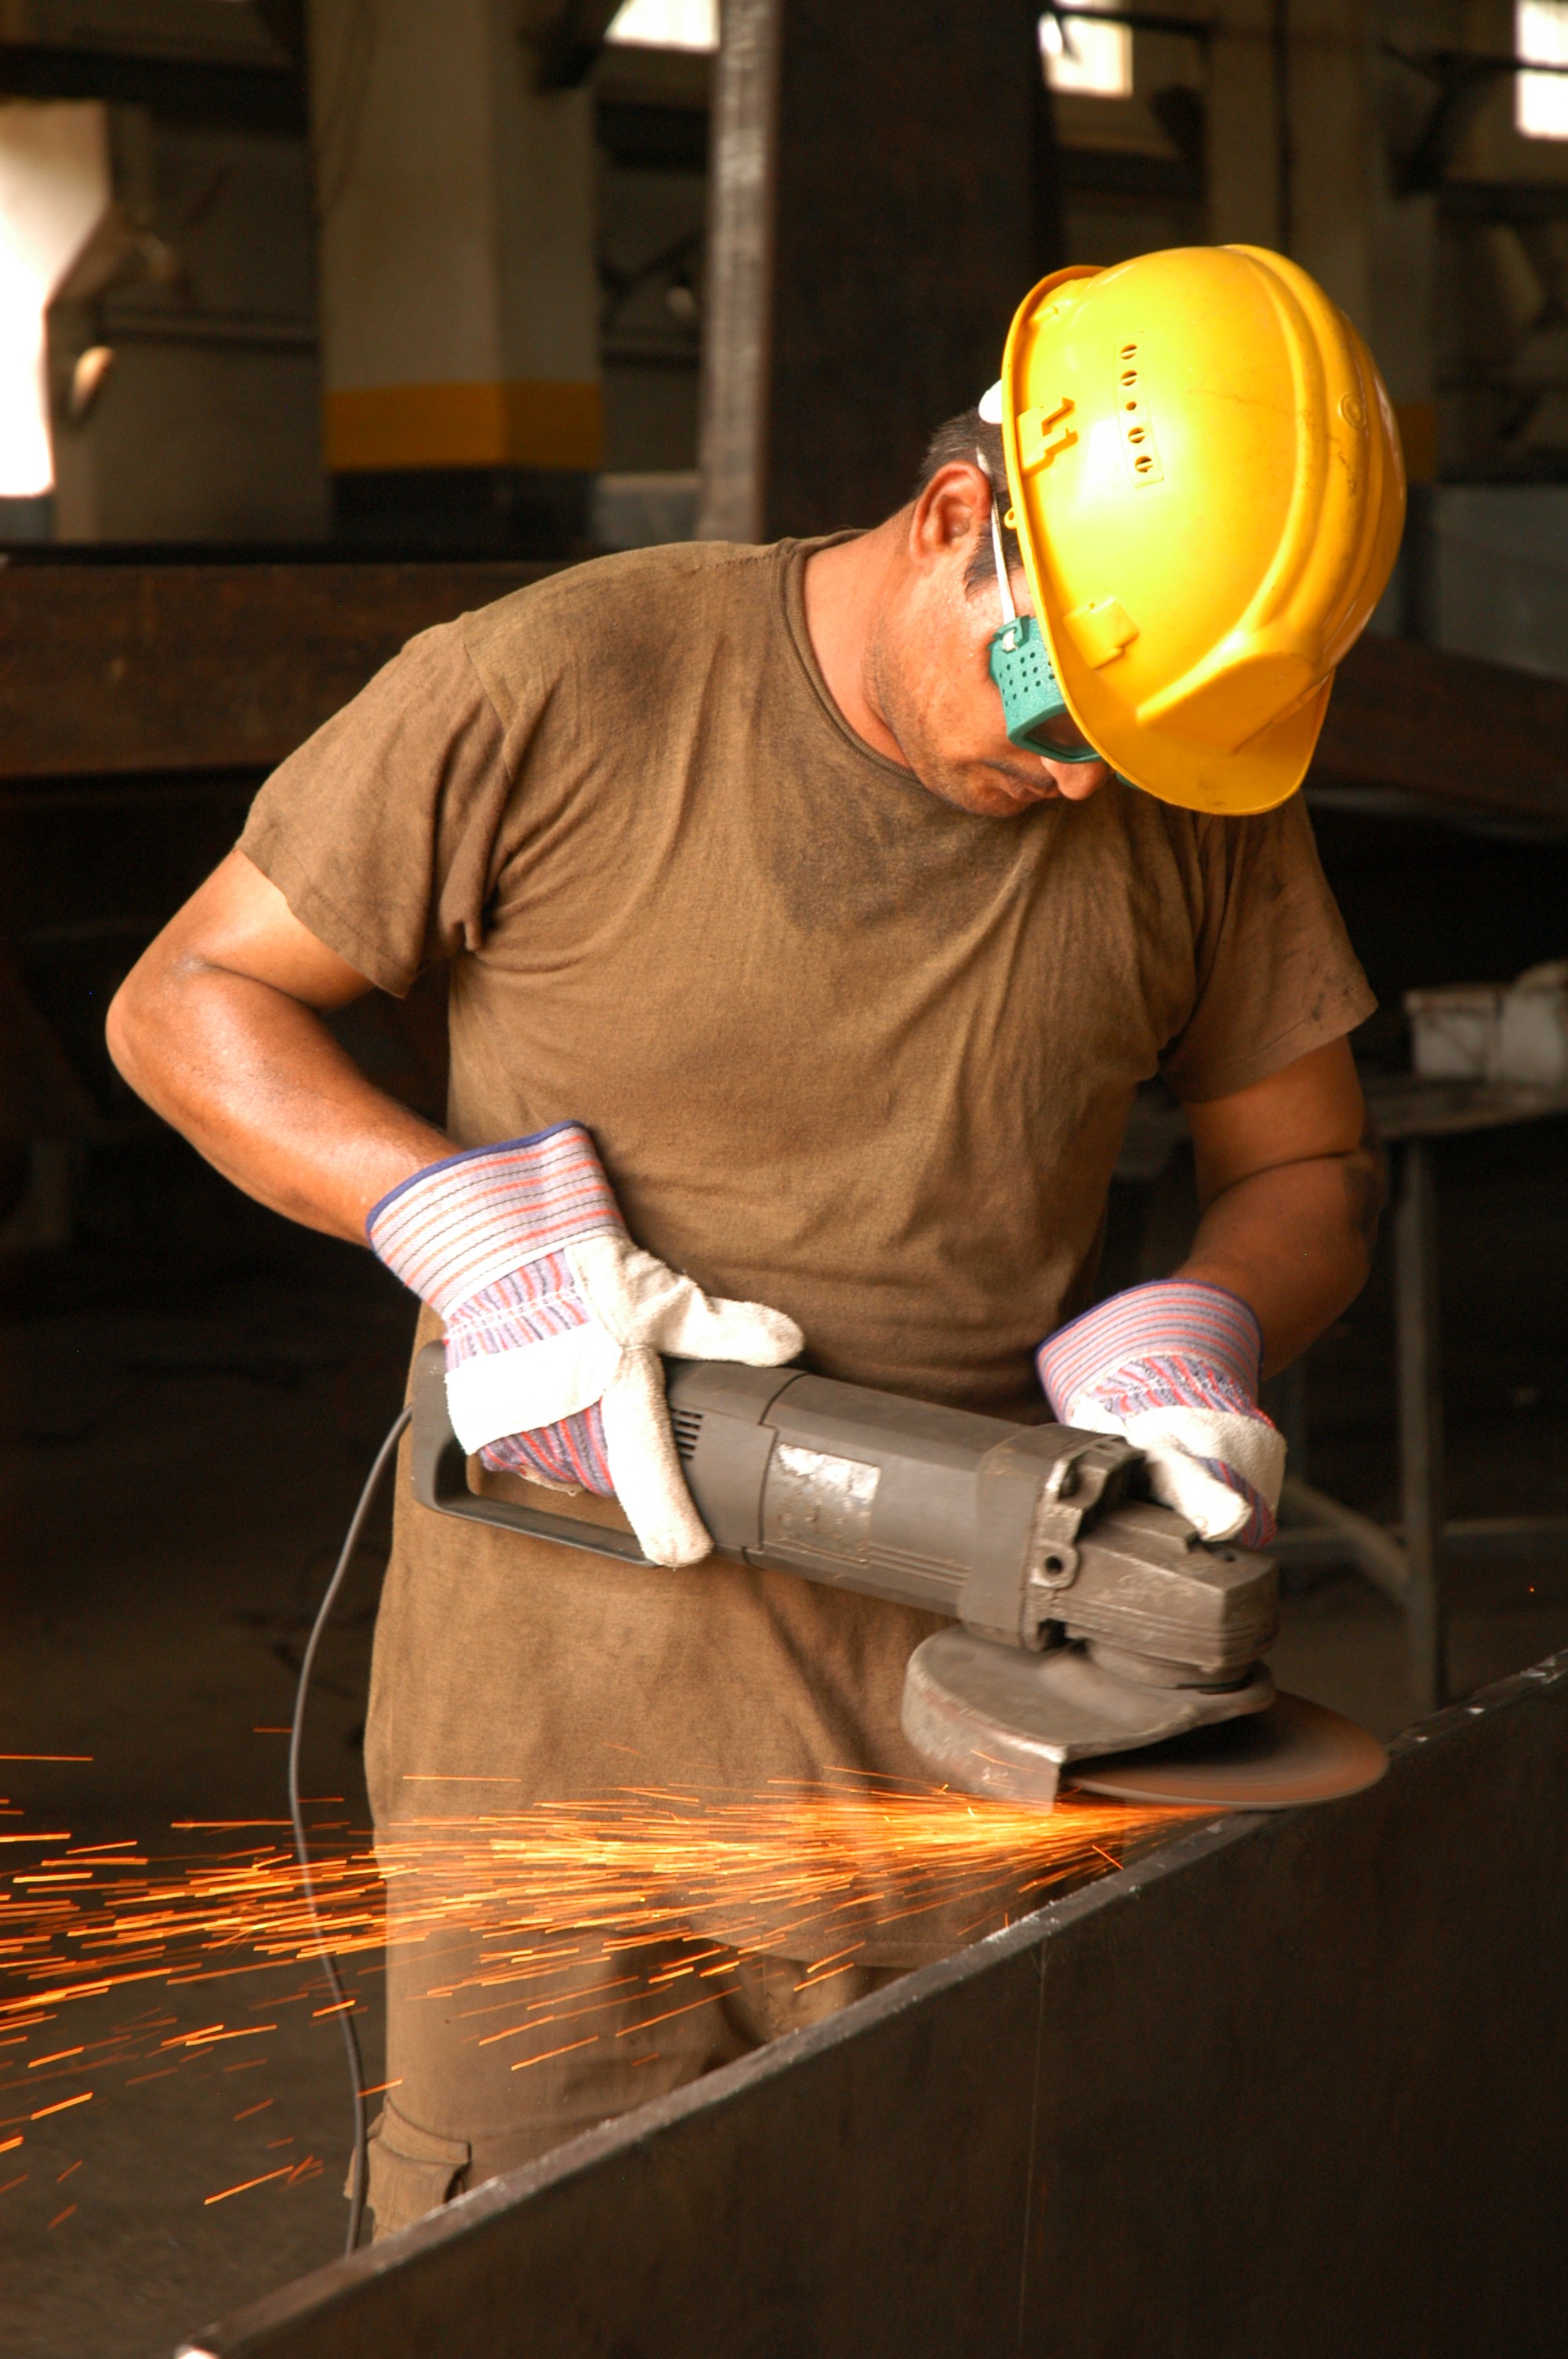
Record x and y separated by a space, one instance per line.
1295 1752
819 1503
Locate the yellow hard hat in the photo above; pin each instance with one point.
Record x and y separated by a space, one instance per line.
1208 490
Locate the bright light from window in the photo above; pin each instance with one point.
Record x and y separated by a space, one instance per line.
1082 56
668 24
54 186
1540 101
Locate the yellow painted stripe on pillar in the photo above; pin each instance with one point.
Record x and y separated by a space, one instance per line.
532 422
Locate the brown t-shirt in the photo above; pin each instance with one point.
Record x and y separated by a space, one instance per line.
843 1048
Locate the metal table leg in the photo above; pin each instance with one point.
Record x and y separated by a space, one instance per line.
1420 1422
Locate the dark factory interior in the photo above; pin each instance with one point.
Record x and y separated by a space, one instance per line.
326 322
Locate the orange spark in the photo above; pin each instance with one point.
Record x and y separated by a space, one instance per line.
224 2194
527 1897
550 2053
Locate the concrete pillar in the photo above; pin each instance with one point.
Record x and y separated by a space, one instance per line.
1308 121
459 308
1244 163
1292 137
881 202
1332 50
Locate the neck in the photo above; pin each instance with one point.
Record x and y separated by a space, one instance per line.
844 586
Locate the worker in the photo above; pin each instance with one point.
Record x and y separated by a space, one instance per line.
812 915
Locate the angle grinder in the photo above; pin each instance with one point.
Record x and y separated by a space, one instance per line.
1097 1641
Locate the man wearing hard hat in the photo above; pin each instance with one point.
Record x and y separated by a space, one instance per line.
813 914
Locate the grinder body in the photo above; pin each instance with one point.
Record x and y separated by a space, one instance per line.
1088 1619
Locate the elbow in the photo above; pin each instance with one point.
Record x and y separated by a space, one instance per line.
119 1026
126 1030
1365 1189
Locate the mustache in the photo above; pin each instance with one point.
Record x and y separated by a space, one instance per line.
1035 780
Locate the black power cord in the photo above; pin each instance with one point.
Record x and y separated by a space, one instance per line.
302 1848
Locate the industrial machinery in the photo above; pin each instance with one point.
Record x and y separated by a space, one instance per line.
1096 1641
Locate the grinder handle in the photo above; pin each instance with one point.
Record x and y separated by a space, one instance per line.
440 1476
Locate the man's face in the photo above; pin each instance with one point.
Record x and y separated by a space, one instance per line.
927 665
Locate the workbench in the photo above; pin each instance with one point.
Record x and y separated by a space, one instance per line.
1411 1117
1408 1562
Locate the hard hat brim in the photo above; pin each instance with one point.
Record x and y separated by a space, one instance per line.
1254 778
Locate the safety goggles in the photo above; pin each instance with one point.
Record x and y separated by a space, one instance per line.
1036 709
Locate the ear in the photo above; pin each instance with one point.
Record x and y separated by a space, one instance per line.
952 511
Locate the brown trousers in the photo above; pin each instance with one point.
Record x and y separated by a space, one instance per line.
493 2059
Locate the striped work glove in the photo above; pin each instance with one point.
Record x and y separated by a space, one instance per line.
554 1323
1174 1366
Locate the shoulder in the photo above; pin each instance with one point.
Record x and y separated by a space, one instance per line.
1221 849
1156 842
625 612
1192 875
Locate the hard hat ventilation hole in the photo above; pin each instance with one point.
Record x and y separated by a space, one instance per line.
1137 436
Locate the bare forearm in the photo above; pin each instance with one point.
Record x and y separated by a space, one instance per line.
257 1083
1295 1243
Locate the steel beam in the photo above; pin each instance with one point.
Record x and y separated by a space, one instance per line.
123 660
239 96
1422 721
108 669
1292 2085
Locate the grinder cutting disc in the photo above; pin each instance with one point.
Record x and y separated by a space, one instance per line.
1295 1752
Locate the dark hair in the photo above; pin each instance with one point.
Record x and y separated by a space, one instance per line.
963 441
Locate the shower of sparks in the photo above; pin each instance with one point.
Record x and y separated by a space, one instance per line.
542 1907
804 1872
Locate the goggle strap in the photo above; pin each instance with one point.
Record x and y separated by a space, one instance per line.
1003 583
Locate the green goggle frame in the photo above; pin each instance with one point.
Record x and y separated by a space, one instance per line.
1031 698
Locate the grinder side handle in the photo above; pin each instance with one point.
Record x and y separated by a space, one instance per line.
440 1476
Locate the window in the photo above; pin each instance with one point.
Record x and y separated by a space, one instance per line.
1080 55
54 187
1540 101
668 24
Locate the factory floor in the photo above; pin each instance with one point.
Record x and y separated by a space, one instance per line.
190 1399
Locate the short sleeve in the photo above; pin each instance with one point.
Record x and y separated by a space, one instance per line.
380 831
1276 974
